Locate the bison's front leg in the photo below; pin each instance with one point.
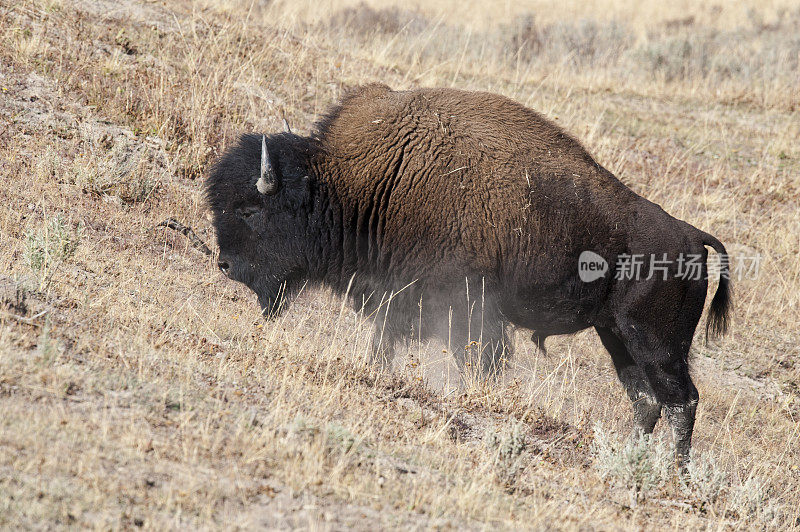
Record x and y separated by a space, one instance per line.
391 325
382 350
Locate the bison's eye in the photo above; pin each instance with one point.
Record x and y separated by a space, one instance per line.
247 212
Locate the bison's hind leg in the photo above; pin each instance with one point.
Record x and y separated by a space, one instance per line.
497 350
481 350
651 356
646 408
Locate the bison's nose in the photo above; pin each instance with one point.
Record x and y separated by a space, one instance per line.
224 266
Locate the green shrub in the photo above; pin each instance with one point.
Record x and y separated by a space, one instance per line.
48 248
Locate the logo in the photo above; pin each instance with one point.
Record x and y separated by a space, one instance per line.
591 266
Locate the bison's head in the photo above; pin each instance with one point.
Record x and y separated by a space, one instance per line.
258 193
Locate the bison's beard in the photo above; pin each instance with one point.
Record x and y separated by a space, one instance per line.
273 298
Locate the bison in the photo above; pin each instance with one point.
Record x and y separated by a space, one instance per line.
453 214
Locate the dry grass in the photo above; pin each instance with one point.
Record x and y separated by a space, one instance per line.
138 387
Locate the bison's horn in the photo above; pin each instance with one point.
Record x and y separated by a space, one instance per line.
286 127
267 184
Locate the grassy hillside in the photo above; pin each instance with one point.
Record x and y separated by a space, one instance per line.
140 388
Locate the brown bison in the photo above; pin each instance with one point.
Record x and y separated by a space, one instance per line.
453 214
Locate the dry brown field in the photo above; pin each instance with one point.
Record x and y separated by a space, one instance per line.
141 388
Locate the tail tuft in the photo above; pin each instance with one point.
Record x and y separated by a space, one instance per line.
719 313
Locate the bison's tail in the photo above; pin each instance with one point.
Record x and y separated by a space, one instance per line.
719 314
